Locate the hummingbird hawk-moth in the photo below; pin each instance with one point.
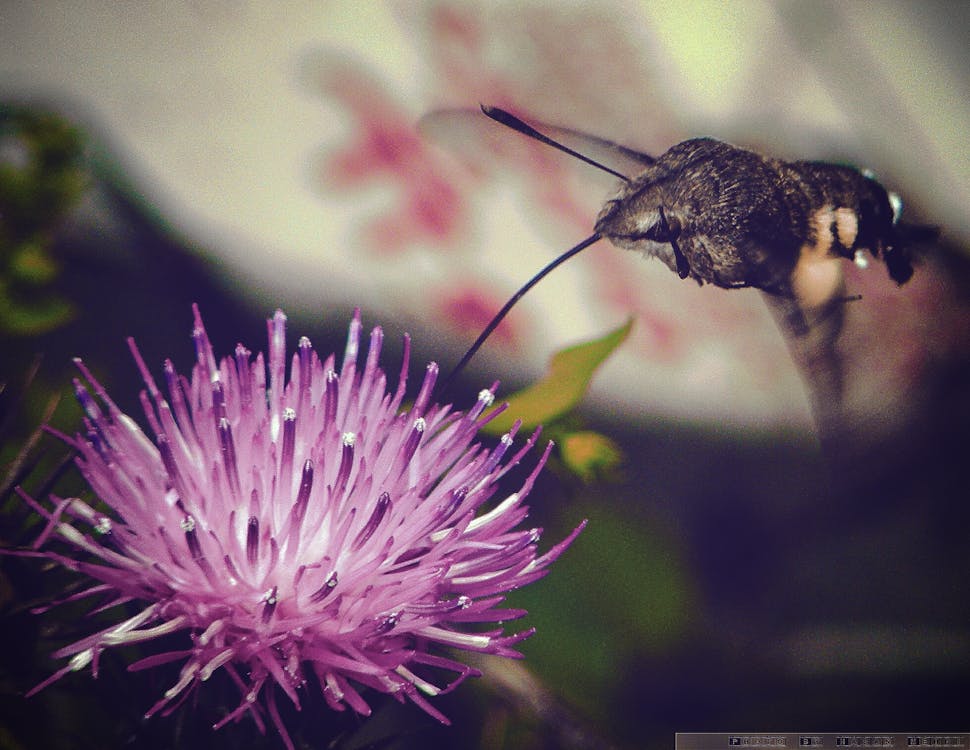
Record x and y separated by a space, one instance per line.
731 217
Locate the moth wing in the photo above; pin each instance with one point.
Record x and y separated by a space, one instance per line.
470 133
622 158
811 335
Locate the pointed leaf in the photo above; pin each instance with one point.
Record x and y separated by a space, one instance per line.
564 385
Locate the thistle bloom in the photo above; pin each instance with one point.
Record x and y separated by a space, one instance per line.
295 528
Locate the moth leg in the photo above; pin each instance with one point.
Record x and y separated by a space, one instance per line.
683 266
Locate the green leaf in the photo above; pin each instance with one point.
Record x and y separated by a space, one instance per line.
33 318
32 264
563 386
622 594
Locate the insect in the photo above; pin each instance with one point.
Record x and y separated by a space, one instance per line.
727 216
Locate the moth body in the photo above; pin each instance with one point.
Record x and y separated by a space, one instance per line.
731 217
727 216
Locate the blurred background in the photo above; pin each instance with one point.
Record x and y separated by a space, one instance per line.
734 575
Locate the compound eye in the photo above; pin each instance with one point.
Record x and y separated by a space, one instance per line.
666 229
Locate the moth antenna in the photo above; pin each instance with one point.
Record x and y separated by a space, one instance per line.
511 121
500 315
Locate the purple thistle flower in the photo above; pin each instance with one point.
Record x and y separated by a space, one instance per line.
295 527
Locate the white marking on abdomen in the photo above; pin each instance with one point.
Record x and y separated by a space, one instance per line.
846 226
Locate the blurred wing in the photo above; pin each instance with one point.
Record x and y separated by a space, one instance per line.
467 131
811 337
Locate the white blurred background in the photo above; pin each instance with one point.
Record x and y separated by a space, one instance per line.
279 141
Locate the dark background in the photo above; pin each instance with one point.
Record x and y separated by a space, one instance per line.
729 580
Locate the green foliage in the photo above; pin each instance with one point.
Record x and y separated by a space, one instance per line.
548 402
563 386
620 595
590 455
41 178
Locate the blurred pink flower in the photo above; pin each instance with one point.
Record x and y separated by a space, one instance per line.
295 528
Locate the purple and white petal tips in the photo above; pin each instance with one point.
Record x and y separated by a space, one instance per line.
296 527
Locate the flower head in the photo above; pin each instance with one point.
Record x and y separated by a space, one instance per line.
309 526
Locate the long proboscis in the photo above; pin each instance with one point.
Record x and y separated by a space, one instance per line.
511 121
500 315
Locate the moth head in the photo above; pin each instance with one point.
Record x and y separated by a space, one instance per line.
636 221
645 228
